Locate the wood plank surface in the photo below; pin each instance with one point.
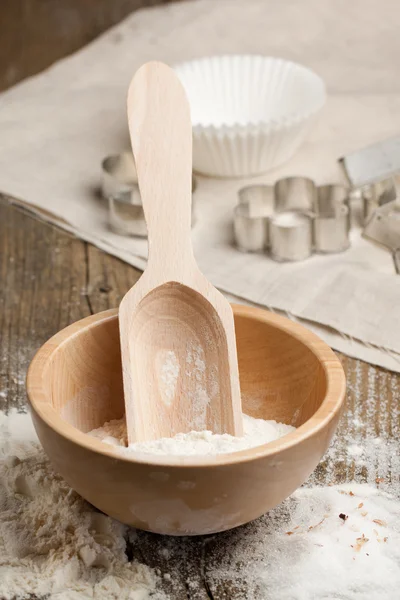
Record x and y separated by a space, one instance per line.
50 279
36 33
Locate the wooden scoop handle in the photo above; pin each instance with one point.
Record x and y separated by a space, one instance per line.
161 136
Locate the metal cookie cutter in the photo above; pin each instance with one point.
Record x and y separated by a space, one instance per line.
396 260
295 193
373 171
383 227
377 194
251 217
374 163
126 217
120 189
290 236
292 219
119 176
331 222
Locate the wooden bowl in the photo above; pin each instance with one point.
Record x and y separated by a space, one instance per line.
287 373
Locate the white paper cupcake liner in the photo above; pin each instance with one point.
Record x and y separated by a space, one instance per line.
249 113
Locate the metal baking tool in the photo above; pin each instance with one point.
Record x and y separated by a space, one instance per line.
330 197
251 233
377 194
383 226
178 345
126 218
374 163
259 198
331 222
323 224
295 193
331 231
290 236
119 176
251 217
396 260
120 188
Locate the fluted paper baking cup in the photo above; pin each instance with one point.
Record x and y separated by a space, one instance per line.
249 113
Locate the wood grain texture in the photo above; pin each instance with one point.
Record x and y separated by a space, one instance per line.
32 309
36 33
178 346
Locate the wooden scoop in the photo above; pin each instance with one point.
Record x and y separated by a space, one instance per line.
177 333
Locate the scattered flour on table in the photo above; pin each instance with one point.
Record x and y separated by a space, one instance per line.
256 433
339 542
367 449
52 542
331 543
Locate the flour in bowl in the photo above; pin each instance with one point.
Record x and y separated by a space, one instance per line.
256 433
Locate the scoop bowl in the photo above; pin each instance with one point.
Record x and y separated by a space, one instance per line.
287 373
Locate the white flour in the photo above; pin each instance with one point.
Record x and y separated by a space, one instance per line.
169 376
198 397
328 543
368 447
51 540
256 433
53 543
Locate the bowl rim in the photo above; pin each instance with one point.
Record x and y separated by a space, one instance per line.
261 125
329 409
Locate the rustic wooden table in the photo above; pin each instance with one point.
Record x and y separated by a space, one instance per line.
50 279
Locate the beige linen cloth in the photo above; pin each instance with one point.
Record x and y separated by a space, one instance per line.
55 129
